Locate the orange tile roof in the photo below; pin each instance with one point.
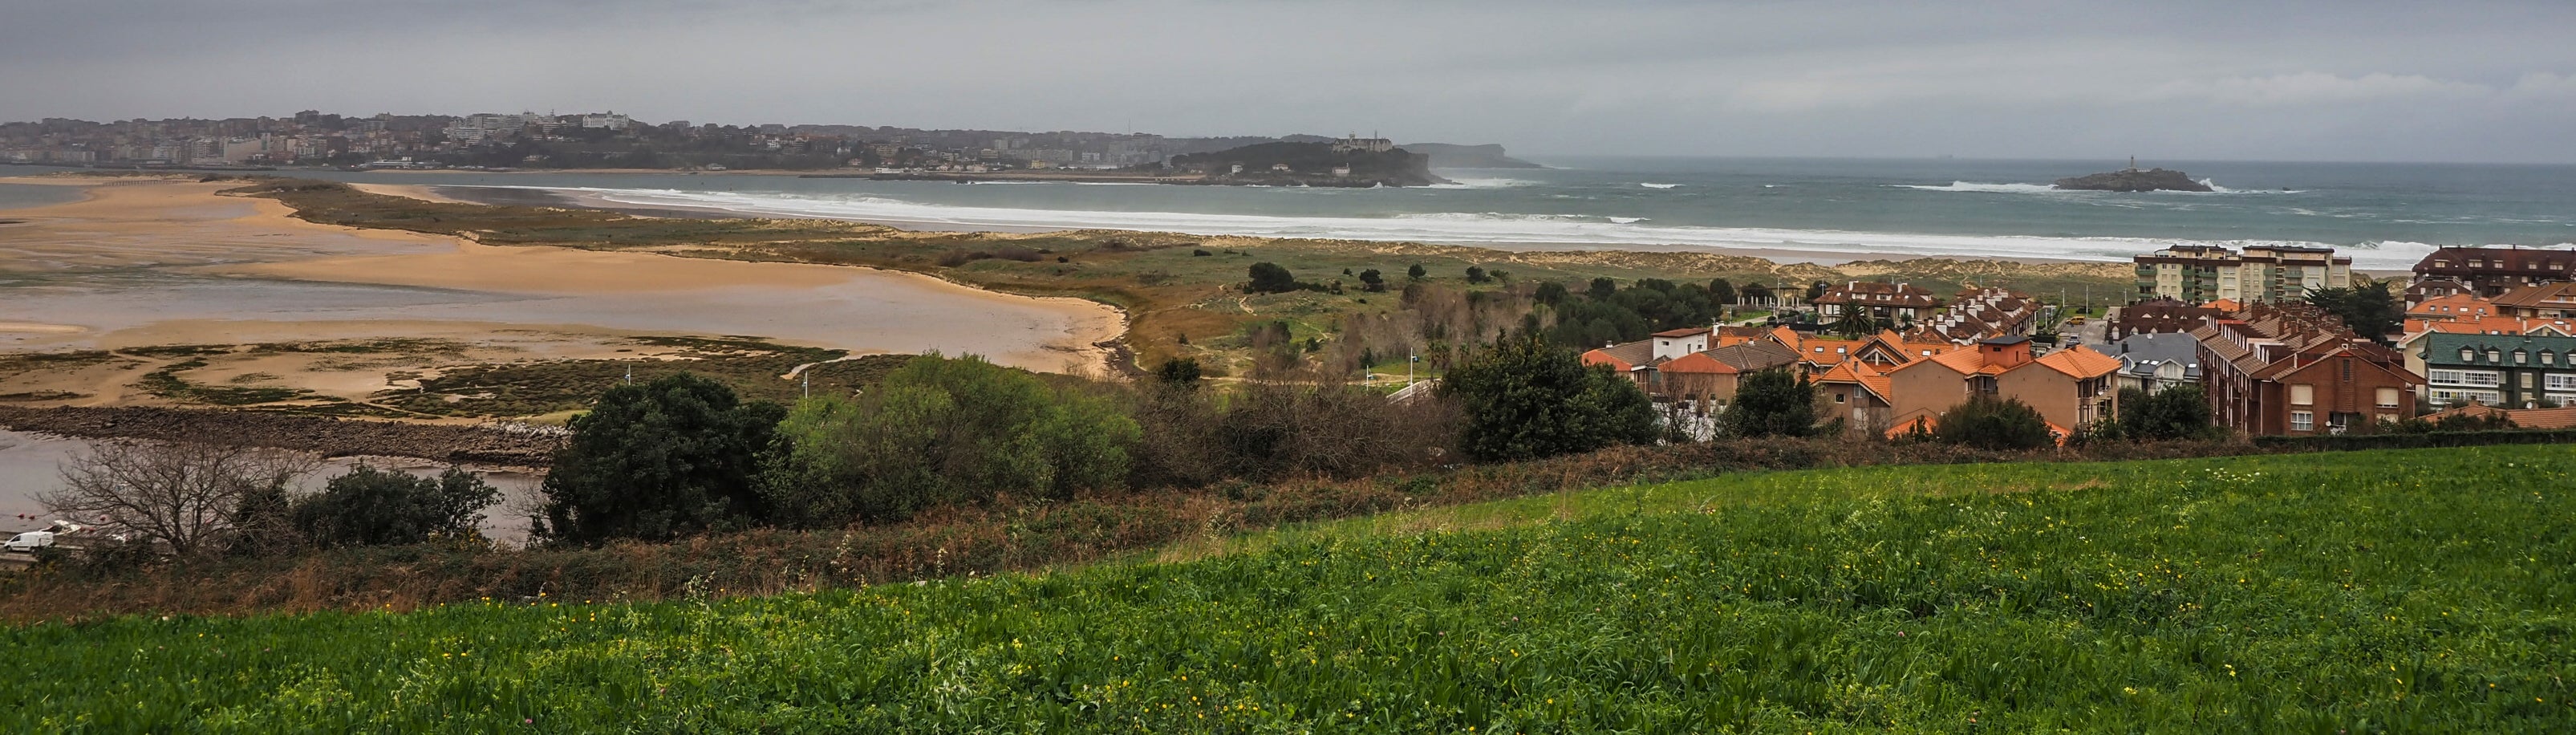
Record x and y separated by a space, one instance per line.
2081 362
2225 305
1697 362
1966 361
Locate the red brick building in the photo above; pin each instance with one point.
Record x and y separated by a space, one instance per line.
2291 369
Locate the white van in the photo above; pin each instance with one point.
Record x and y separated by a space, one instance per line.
29 541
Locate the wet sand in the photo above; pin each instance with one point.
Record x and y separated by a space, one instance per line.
155 261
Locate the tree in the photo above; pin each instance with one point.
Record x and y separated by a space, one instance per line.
942 431
372 507
1526 399
1815 291
1476 274
1774 402
2371 310
1856 323
1551 293
1271 278
1721 292
1417 272
658 461
1179 371
1601 289
1371 281
1987 422
2178 412
183 494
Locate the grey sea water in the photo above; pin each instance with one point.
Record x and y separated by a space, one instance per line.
2387 215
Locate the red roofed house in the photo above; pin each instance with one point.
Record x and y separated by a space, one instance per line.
1886 302
2491 272
2543 301
2290 368
2068 387
2455 308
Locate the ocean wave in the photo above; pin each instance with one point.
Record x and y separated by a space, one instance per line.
1461 182
1986 188
1486 228
1657 186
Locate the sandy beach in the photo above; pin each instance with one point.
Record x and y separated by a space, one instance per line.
157 261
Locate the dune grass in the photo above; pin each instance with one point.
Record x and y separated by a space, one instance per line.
2394 591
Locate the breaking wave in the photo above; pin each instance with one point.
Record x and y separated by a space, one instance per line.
1485 228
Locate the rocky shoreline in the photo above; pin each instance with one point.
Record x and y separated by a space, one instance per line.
330 437
2133 180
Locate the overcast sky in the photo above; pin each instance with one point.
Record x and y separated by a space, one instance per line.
2349 80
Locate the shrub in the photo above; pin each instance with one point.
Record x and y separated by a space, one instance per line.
1526 399
1180 371
2179 412
657 461
1476 274
1372 281
1989 423
372 507
1775 402
943 431
1271 278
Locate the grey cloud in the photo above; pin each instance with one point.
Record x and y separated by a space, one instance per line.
2347 80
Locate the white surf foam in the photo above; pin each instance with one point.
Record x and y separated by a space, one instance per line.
1987 188
1495 228
1657 186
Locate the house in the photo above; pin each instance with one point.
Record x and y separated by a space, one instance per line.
2153 362
2158 316
2452 308
1693 364
2289 368
1861 395
2508 370
2068 387
2427 289
2539 301
2490 272
2416 331
1978 314
1884 302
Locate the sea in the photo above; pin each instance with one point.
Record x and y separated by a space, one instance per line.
2385 215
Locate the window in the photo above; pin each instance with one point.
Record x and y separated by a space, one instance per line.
2526 381
2495 355
2303 421
2562 381
2468 355
2487 378
2388 397
2303 395
2521 357
2548 358
2453 377
1838 396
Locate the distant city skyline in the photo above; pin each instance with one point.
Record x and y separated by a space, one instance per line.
2344 81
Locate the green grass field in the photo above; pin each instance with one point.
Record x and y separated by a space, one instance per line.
2399 591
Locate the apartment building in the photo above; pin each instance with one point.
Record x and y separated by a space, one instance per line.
2490 272
2289 368
2503 370
2203 273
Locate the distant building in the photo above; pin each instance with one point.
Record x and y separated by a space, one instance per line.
1885 302
2158 316
2452 308
2490 272
2512 371
2153 362
2203 273
1356 144
2539 301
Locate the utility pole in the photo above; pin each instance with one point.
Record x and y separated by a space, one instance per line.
808 375
630 374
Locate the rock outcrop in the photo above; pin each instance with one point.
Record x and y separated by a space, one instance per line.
2152 179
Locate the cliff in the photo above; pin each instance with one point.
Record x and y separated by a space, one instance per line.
2153 179
1451 155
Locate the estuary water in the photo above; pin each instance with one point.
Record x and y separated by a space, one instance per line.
2386 216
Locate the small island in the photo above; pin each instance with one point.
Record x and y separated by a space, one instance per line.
2134 179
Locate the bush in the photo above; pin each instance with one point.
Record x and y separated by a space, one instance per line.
1271 278
943 431
1775 402
658 461
372 507
1993 424
1372 281
1476 274
1526 399
2179 412
1180 371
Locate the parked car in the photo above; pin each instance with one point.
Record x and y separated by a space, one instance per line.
29 541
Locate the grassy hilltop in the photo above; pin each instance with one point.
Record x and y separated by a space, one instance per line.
2393 591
